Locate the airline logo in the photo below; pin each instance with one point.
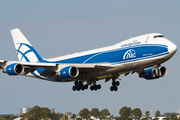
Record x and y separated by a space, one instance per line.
131 44
27 53
129 54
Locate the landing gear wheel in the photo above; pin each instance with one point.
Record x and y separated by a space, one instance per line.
95 87
115 88
76 83
74 88
113 83
117 83
91 88
82 87
86 86
78 88
80 82
111 88
98 86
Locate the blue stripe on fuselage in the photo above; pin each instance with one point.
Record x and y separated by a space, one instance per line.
121 54
115 56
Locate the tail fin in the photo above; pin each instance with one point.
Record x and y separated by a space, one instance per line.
24 49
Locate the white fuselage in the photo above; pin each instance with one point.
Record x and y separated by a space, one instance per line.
130 55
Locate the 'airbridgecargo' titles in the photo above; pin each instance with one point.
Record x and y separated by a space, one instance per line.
130 44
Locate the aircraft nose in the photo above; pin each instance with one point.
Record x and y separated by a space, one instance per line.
172 48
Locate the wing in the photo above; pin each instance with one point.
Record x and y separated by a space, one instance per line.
53 69
65 72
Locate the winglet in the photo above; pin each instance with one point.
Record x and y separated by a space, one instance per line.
24 49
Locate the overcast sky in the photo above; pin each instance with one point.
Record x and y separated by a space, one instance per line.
60 27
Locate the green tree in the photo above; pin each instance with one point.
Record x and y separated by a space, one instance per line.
104 113
157 113
111 117
137 113
143 119
73 116
45 113
12 117
84 113
37 113
60 115
6 117
33 113
147 114
173 116
55 116
125 113
117 118
95 112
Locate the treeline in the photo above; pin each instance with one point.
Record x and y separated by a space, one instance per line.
125 113
85 113
37 113
7 117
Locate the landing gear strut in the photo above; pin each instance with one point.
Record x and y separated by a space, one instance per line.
114 85
78 85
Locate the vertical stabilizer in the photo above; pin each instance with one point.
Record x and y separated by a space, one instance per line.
24 49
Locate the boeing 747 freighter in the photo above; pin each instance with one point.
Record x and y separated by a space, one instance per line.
142 54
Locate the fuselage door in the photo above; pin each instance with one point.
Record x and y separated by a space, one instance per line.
147 38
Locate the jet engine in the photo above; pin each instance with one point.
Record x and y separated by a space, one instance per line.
14 69
154 72
68 72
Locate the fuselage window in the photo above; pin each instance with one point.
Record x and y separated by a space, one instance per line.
158 36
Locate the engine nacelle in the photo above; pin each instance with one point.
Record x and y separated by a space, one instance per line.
14 69
162 71
68 72
153 73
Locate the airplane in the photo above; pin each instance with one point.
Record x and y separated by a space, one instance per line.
142 54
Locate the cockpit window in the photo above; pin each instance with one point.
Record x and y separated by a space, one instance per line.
158 36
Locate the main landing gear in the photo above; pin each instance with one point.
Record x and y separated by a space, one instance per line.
95 87
114 85
78 85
